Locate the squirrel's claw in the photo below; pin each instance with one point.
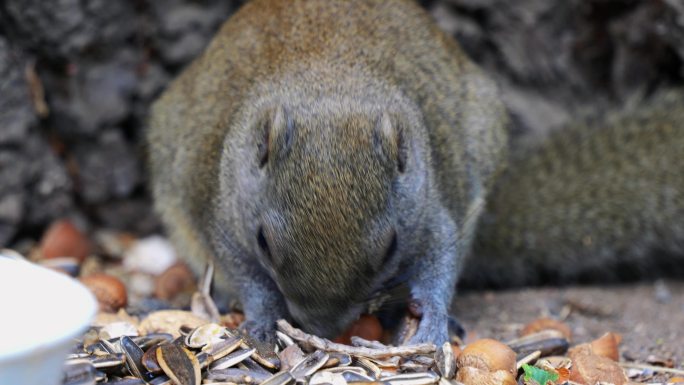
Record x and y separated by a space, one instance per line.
433 328
262 332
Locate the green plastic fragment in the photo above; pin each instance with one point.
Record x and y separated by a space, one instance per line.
539 376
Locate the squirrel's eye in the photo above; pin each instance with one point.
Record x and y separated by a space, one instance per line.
391 248
401 163
262 148
263 244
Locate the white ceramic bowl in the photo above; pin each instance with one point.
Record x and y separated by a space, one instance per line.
41 311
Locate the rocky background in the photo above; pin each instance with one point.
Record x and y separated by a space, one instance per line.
77 78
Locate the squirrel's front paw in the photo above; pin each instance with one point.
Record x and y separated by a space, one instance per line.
433 328
262 332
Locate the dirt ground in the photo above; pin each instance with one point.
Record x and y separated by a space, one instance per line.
78 78
650 316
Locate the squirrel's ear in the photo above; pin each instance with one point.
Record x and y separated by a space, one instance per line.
276 135
384 126
282 132
388 137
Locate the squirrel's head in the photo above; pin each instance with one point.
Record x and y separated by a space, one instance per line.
326 227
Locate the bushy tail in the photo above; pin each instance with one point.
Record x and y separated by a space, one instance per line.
593 203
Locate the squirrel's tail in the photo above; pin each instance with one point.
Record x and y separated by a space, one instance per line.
593 203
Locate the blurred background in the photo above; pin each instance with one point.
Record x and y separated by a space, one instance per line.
77 78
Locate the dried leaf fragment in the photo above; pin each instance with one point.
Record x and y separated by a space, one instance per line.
589 368
607 346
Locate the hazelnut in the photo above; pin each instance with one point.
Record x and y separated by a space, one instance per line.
607 346
546 324
109 291
63 239
474 376
488 355
173 281
367 327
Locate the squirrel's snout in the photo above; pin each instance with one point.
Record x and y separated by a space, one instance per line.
328 323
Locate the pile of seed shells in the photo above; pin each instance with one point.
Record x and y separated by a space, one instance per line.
192 347
209 353
213 354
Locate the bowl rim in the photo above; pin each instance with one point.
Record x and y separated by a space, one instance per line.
82 312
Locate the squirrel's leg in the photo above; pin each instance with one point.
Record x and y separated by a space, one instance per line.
434 280
262 302
263 305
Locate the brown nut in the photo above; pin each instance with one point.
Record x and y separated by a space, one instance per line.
367 327
474 376
544 324
173 281
489 355
109 291
63 239
607 346
590 368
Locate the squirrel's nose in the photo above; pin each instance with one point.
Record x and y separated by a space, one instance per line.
328 323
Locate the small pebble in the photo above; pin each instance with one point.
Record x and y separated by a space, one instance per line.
662 292
151 255
141 284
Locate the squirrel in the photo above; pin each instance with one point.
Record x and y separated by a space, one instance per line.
323 152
